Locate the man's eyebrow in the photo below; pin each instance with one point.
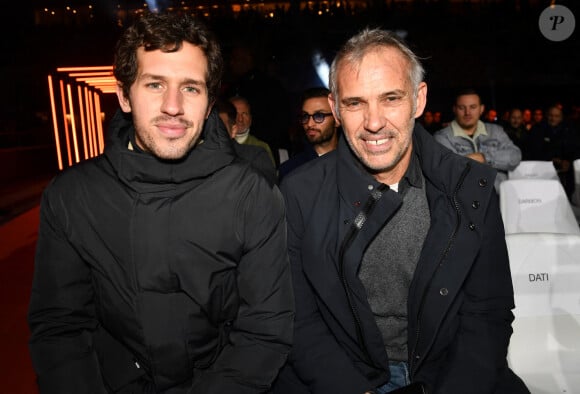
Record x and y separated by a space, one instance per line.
396 92
346 100
189 81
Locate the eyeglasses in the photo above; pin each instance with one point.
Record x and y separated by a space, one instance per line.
318 117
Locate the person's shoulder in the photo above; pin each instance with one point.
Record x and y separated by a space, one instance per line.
294 162
81 172
248 152
311 175
494 127
443 132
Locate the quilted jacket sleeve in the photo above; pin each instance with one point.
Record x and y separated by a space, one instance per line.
61 313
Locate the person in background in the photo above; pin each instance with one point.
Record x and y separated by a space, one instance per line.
161 265
491 116
250 76
537 117
399 261
516 129
483 142
244 123
557 141
527 115
428 122
255 155
320 129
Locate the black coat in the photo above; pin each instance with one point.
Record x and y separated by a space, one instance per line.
460 299
167 276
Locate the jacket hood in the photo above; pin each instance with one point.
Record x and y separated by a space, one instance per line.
146 173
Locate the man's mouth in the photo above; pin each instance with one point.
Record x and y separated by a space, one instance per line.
377 142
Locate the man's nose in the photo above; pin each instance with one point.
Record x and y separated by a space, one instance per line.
172 102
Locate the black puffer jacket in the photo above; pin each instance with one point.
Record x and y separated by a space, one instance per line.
169 276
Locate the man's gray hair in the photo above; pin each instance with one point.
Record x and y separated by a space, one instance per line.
367 40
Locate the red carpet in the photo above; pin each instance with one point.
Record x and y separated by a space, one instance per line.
17 244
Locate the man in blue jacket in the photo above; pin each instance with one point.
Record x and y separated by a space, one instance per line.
399 263
481 141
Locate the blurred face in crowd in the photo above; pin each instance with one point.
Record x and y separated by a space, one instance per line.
319 133
491 115
538 115
555 116
168 100
377 108
437 117
427 118
244 118
468 109
527 115
516 118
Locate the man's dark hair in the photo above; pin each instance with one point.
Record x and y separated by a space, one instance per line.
314 92
465 92
166 32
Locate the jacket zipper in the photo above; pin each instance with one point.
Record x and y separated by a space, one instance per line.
347 242
457 208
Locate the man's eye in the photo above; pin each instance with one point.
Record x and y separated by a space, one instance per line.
154 85
191 89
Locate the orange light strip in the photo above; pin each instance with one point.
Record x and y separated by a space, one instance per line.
83 128
107 91
91 74
55 123
93 124
89 126
73 123
97 79
62 98
99 123
94 68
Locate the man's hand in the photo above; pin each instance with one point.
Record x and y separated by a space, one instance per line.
477 156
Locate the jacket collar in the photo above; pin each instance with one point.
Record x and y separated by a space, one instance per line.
145 173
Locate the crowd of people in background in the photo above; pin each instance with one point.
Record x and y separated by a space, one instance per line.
550 134
286 127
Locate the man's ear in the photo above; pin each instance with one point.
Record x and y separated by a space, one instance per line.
124 102
421 99
333 108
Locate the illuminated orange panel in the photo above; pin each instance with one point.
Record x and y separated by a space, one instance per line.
99 123
55 123
64 114
90 74
89 125
93 68
83 128
73 123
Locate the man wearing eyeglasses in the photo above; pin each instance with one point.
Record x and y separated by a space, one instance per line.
320 129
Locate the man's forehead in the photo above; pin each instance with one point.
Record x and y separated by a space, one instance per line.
316 101
468 99
387 63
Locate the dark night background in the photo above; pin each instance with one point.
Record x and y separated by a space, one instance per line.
495 46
